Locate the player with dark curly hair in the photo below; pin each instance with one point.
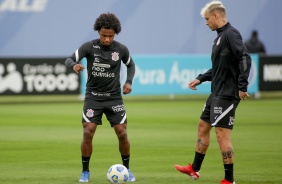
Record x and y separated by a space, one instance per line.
107 21
103 90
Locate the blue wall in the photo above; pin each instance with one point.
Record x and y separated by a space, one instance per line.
51 28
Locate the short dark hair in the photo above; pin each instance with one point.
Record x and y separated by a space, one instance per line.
107 21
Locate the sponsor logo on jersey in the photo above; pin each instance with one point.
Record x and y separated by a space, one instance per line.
102 65
96 46
103 74
90 113
99 67
98 70
115 56
101 94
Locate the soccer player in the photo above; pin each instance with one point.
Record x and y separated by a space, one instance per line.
231 64
103 92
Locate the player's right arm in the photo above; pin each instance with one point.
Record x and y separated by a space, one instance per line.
201 78
205 77
192 85
75 58
77 68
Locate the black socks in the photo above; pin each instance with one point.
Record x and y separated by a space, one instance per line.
125 160
85 163
198 159
228 169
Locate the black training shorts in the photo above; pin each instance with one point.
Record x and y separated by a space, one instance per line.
113 109
220 112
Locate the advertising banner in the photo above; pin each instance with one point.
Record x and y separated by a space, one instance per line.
170 74
270 73
36 76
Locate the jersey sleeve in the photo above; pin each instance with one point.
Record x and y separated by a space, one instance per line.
245 67
240 51
80 53
129 63
205 77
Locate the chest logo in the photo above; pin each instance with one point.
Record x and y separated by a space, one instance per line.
115 56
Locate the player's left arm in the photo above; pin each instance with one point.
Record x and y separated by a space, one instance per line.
130 65
238 48
74 60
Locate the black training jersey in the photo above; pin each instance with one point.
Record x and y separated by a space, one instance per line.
231 64
103 68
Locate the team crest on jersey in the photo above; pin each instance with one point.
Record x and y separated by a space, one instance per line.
115 56
90 113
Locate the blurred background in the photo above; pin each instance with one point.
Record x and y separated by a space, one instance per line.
41 31
40 99
48 28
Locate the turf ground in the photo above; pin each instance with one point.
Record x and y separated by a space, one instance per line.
40 143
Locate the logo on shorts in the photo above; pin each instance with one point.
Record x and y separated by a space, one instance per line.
115 56
90 113
217 110
231 121
118 108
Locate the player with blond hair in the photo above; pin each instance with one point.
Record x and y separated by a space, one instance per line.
231 65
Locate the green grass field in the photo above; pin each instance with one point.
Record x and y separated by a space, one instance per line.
40 143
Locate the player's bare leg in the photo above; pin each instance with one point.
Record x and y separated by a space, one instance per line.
202 144
203 140
124 147
86 149
223 137
88 133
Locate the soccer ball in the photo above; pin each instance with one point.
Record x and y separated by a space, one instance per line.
118 174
